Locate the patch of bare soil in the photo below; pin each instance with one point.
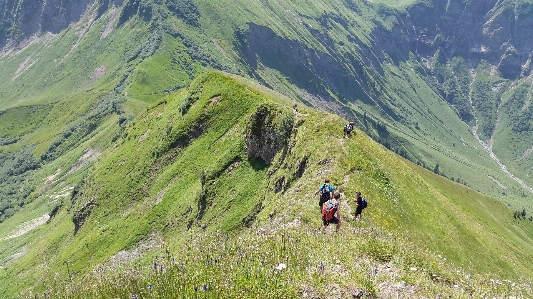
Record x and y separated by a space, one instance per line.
400 290
113 16
143 136
16 256
28 226
526 154
48 181
25 65
219 48
155 241
98 73
88 156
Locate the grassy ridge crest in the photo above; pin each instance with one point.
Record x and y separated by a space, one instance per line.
184 188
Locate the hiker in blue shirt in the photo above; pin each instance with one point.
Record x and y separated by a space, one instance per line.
325 191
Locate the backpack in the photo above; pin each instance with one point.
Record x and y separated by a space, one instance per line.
325 194
364 203
350 127
329 210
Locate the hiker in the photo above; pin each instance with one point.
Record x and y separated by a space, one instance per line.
295 105
331 212
325 191
360 203
348 129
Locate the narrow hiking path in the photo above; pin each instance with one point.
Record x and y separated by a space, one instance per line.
488 146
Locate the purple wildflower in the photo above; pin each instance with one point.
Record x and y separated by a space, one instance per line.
205 287
150 287
321 267
155 265
135 296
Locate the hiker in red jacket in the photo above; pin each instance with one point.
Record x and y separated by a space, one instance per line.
331 212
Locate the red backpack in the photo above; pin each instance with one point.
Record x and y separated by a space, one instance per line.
329 209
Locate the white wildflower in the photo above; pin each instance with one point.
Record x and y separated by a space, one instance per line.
281 266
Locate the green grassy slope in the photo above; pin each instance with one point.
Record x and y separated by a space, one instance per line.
321 53
179 189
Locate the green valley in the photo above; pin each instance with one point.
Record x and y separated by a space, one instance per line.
150 149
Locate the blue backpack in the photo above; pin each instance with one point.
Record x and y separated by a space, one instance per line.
364 203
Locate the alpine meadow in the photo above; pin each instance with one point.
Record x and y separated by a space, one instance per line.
174 148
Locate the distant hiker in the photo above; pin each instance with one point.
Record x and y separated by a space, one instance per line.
361 204
331 212
294 105
325 191
348 129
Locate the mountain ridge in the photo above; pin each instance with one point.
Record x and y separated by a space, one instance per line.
162 202
438 83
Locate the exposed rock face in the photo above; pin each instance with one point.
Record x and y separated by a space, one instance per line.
22 19
268 132
498 31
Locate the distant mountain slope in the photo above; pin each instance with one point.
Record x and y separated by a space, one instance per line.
228 169
443 84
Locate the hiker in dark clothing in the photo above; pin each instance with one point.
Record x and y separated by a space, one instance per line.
325 191
360 205
331 212
348 129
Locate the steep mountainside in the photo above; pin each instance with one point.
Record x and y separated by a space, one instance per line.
444 84
212 189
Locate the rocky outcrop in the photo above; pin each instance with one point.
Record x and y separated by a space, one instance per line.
268 132
23 19
497 31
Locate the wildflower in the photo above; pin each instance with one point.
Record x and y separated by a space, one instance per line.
321 267
161 268
281 266
150 287
196 289
182 266
155 265
205 287
135 296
